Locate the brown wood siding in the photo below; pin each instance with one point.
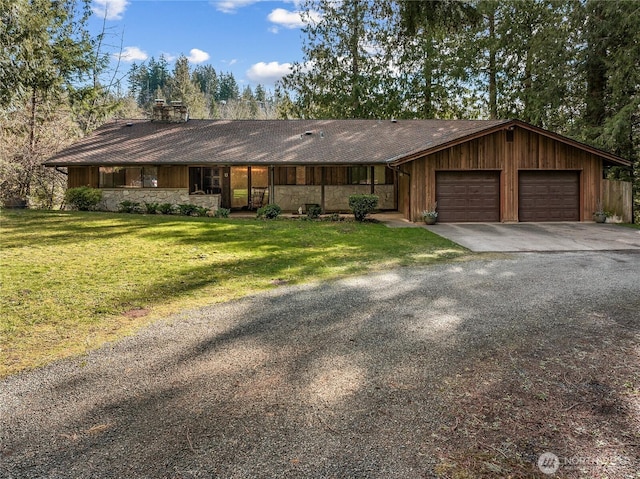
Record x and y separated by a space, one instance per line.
313 175
528 151
284 175
83 176
336 175
173 177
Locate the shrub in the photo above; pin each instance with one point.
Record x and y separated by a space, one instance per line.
166 208
314 211
151 208
129 207
269 211
201 211
83 198
222 213
187 209
362 205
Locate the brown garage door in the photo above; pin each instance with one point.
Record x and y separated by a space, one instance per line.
549 196
468 196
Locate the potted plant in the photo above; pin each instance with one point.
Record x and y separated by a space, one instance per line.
430 215
600 215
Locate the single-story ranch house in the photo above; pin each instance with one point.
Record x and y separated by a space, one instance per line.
476 170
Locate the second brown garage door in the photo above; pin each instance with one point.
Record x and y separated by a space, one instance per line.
549 196
468 196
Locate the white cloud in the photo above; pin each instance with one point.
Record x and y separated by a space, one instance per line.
268 73
197 56
232 6
289 19
169 56
132 54
285 18
109 9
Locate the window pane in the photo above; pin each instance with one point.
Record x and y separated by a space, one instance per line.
106 177
382 175
195 179
150 177
239 186
133 177
360 175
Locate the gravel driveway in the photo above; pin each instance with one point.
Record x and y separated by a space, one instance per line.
387 375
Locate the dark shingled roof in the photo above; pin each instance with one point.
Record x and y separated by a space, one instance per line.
264 141
278 142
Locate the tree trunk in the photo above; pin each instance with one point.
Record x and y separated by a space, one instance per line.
355 65
493 88
595 70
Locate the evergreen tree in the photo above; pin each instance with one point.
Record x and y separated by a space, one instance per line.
228 88
206 78
45 48
346 70
182 88
432 80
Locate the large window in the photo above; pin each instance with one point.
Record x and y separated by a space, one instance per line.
358 175
128 177
204 180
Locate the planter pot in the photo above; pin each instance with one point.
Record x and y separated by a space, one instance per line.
599 217
430 220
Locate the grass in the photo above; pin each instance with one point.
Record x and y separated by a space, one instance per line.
631 225
71 281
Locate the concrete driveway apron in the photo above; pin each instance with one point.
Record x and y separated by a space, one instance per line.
498 237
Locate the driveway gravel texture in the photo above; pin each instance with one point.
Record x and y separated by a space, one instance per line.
467 369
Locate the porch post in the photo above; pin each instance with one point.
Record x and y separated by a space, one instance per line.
272 190
322 181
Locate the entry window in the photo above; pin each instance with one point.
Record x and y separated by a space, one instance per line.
204 180
128 177
239 186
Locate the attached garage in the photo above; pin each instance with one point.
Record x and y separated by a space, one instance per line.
468 196
507 171
549 196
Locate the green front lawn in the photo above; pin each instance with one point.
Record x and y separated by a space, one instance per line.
71 281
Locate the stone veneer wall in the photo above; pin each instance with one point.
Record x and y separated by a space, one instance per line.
290 198
386 193
112 197
336 198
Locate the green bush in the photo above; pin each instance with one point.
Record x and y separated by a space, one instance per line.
362 205
151 208
270 212
201 211
166 208
222 213
129 207
314 211
83 198
187 209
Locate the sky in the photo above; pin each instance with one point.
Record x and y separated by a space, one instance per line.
255 40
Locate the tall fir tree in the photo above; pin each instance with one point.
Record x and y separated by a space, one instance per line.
346 69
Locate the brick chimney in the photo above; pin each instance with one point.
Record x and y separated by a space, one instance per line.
176 112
